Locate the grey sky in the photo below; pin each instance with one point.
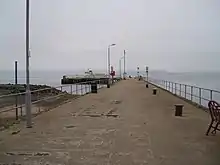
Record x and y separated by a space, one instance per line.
175 35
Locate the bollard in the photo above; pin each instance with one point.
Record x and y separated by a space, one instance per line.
178 109
154 91
108 85
94 88
147 86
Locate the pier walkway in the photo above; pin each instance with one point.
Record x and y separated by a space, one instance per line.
123 125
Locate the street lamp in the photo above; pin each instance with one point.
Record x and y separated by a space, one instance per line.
124 65
109 59
120 65
28 92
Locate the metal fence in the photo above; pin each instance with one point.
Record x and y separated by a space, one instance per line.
198 95
12 106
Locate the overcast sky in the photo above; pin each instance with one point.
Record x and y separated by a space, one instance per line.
173 35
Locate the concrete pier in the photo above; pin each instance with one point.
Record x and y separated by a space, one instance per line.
123 125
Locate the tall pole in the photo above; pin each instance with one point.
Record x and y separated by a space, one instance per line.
147 76
124 65
109 62
147 73
120 68
16 88
28 94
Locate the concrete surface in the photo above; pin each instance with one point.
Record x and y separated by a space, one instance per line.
123 125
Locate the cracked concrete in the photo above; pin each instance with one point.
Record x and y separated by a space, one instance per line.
144 132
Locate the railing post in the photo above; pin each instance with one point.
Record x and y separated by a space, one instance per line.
211 95
71 88
172 87
185 91
76 89
200 96
20 103
180 89
191 93
169 86
175 88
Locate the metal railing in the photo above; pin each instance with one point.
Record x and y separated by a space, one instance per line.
12 106
198 95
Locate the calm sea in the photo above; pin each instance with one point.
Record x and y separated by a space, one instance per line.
52 78
206 79
210 80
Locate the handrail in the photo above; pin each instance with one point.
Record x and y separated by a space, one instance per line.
196 94
15 101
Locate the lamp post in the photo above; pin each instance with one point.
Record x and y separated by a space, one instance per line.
147 76
109 63
109 59
138 73
120 65
28 93
124 65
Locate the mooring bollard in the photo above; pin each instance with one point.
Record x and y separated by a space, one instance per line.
108 85
178 109
147 86
154 91
94 88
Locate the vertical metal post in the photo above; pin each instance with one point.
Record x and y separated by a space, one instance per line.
71 88
109 65
175 88
147 71
120 67
172 87
28 92
185 91
109 62
180 89
169 85
191 93
16 88
76 89
200 96
211 95
124 65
